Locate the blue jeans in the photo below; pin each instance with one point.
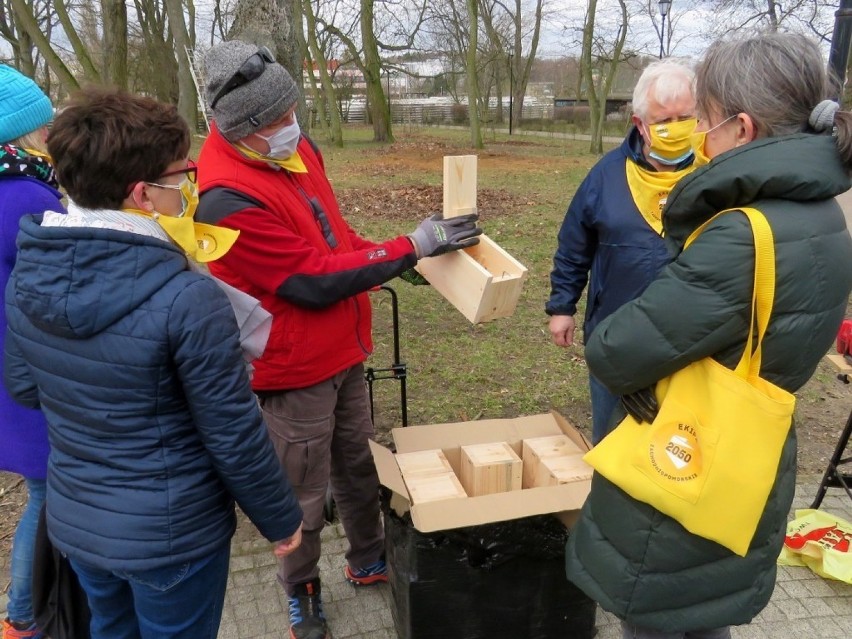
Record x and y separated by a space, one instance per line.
20 606
182 601
603 403
629 631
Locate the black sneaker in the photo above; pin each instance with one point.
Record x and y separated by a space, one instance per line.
307 620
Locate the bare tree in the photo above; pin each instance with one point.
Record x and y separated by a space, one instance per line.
813 17
325 101
384 26
183 43
472 76
27 22
601 55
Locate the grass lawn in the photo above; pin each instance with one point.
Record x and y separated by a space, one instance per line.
458 371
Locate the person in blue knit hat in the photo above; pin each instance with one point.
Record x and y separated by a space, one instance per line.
27 185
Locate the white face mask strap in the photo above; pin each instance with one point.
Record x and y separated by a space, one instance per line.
726 120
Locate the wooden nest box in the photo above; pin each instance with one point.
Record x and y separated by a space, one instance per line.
483 282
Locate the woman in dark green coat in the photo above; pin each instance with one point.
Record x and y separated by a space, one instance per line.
773 143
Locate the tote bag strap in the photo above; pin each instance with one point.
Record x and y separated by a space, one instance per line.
764 287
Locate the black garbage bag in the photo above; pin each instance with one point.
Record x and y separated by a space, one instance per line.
500 580
59 602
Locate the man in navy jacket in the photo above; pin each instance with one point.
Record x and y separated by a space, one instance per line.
611 235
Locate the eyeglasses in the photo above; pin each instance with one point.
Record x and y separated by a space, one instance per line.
191 172
251 69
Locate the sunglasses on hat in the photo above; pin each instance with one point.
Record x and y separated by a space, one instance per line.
251 69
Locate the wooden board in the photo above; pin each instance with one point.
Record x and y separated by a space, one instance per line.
840 363
490 468
459 185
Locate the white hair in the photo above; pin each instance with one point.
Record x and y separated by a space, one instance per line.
668 79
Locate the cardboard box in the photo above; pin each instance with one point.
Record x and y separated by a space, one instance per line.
564 499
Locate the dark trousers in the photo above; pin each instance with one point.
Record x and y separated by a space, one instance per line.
321 435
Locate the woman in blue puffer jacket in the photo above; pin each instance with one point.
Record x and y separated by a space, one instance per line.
135 360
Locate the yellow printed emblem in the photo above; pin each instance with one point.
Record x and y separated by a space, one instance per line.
674 452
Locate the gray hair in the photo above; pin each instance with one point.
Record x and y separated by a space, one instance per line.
668 79
775 78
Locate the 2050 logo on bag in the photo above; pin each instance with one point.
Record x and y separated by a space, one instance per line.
674 452
677 450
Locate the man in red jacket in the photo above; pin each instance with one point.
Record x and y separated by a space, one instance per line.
300 258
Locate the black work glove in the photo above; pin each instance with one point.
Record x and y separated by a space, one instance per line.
641 405
436 235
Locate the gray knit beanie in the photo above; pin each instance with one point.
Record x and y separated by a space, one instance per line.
251 106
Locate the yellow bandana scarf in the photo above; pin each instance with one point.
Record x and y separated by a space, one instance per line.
294 163
650 190
202 242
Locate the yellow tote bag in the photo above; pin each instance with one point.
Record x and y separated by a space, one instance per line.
710 458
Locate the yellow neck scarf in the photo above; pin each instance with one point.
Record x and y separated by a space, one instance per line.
201 242
294 163
650 190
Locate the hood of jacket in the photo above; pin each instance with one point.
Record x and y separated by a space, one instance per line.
76 282
801 168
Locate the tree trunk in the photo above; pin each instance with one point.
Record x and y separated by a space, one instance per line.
325 100
114 15
473 77
523 67
90 72
597 92
270 24
376 100
187 96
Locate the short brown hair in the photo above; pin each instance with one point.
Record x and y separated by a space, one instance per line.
103 141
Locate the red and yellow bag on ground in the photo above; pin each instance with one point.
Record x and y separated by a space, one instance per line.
820 541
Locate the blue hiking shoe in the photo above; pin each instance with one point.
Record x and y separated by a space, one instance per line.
371 575
307 620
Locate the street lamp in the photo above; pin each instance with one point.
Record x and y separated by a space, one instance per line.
665 5
511 92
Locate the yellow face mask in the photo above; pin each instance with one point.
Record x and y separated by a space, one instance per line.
698 140
201 242
294 163
670 141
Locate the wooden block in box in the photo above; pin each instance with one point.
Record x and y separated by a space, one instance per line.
423 462
537 448
490 468
434 487
565 469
